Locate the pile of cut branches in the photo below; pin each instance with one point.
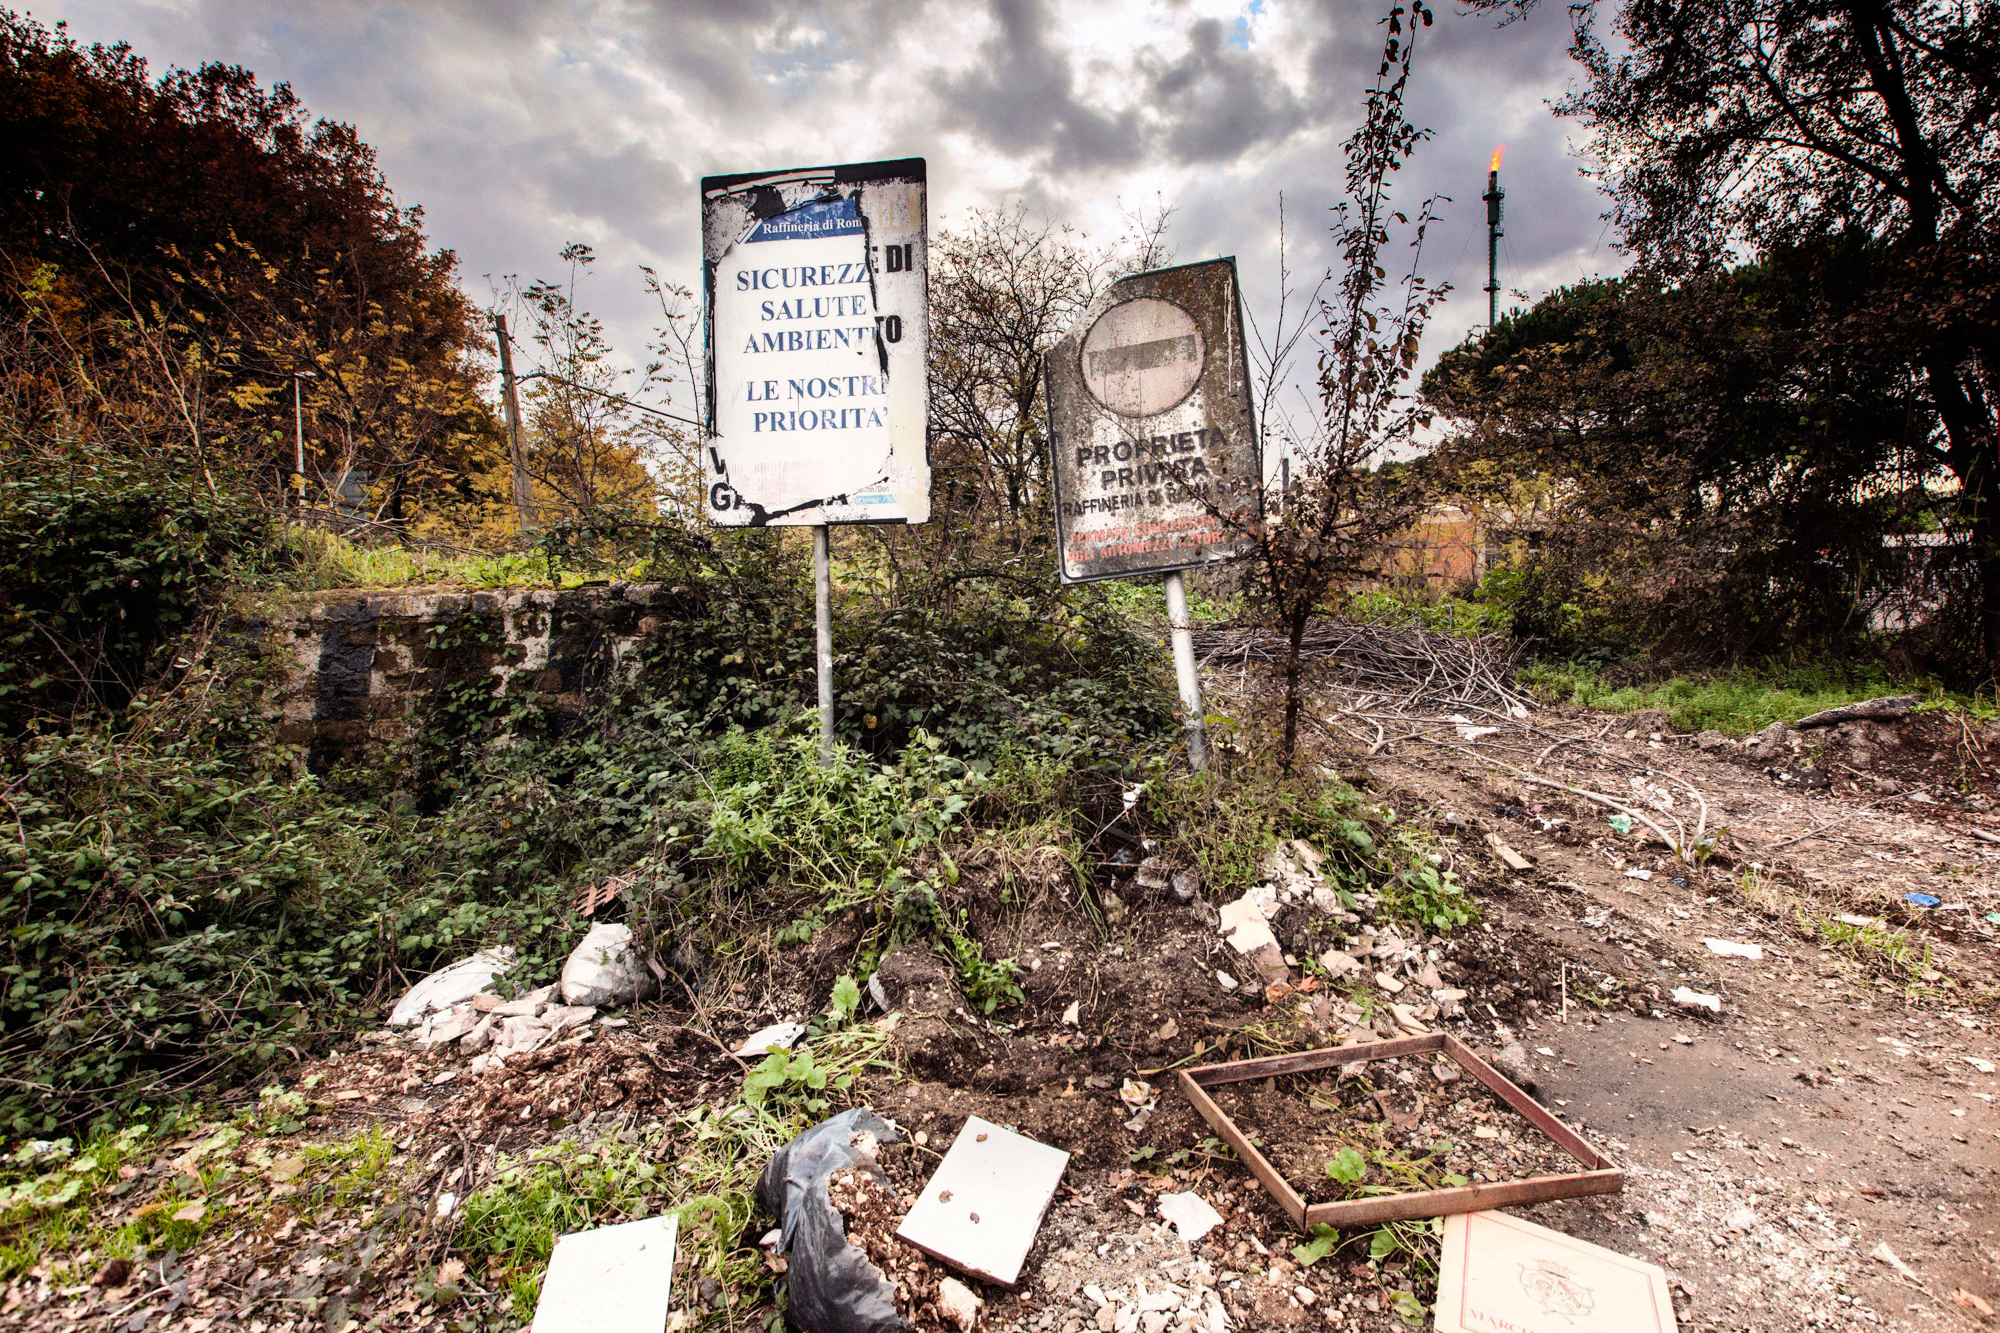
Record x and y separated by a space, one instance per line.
1401 666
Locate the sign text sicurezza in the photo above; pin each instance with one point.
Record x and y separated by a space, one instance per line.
1156 459
817 333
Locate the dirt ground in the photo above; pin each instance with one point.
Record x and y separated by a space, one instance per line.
1839 1103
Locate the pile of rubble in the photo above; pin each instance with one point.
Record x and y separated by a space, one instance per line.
459 1003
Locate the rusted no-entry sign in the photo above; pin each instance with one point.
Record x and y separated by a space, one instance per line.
1156 461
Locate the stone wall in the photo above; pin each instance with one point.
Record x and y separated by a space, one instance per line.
360 669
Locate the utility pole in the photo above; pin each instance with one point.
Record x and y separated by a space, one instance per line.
524 496
1495 198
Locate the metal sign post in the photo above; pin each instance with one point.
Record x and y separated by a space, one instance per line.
823 636
1157 465
818 325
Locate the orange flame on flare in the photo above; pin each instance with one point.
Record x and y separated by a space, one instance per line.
1496 157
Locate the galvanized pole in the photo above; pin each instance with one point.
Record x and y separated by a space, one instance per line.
299 441
524 495
1184 670
823 617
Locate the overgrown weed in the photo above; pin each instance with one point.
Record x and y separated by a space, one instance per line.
1744 699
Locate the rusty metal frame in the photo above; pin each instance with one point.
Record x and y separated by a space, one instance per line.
1599 1176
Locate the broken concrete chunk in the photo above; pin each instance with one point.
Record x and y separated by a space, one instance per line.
448 1026
481 1036
1339 963
450 985
519 1036
605 969
527 1005
1512 1061
1269 962
957 1303
1244 924
560 1016
1388 983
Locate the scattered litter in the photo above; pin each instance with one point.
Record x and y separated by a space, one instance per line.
777 1037
1994 918
1224 980
1498 1271
610 1280
1510 858
1851 919
1969 1301
1621 823
1882 1253
1388 983
829 1284
1983 1066
1074 1014
1136 1093
1191 1215
1921 899
604 969
1732 949
1467 731
1339 963
1694 999
450 985
1638 874
982 1207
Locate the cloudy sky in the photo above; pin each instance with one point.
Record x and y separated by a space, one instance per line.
520 125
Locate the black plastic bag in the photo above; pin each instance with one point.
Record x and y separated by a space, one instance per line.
833 1286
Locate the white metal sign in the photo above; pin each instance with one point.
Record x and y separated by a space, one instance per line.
818 329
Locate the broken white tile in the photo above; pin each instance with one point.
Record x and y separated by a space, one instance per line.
610 1280
777 1037
1733 949
1694 999
983 1205
1192 1215
1498 1271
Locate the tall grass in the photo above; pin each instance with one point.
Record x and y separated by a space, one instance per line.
1743 699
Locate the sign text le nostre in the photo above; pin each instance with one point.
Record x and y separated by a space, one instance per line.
818 329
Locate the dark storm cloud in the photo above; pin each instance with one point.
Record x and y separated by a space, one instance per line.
1218 101
1020 97
520 125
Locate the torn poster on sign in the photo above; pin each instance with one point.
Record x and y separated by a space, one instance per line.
818 328
1156 459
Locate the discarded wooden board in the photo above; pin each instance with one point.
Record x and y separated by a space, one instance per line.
1600 1175
983 1205
1499 1272
610 1280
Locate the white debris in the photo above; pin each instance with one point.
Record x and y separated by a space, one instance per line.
1191 1215
609 1280
1884 1254
451 985
957 1303
777 1037
1638 874
1983 1066
1224 980
1694 999
1732 949
605 969
1339 963
1245 923
1074 1014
